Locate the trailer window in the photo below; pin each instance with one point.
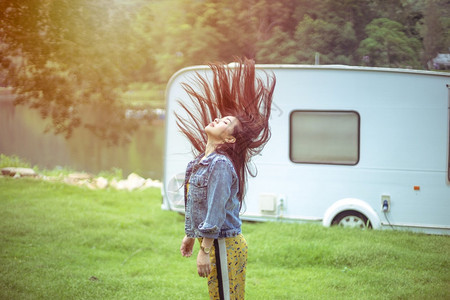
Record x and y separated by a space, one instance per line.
324 137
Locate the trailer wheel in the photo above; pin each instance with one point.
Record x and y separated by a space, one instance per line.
352 219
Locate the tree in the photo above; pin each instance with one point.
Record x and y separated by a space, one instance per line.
333 41
280 48
64 55
434 35
387 45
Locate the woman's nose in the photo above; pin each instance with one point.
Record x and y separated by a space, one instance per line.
216 120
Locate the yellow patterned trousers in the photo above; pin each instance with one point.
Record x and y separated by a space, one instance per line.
228 266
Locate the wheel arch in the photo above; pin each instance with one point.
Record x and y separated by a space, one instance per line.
351 204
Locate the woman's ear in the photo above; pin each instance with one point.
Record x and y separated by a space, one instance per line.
230 140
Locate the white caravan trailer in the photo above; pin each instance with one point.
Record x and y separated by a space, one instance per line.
352 146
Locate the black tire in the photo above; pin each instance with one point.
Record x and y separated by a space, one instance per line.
352 219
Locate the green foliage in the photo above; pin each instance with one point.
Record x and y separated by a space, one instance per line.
65 242
280 48
12 161
388 46
114 173
17 162
60 56
331 40
63 54
434 30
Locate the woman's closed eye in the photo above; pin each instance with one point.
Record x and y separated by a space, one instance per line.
221 120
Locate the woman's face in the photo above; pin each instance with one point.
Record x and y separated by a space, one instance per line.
220 130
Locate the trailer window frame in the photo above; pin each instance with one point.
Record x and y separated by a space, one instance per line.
329 162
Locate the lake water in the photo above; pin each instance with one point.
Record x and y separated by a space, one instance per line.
22 134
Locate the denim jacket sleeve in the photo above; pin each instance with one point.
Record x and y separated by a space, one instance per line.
219 191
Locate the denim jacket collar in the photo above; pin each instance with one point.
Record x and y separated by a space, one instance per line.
207 160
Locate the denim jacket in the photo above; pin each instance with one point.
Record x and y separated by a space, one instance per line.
211 203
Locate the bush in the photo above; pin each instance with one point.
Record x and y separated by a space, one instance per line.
13 161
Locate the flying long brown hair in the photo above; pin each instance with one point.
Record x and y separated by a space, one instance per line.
233 90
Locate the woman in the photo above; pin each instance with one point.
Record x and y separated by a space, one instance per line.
239 104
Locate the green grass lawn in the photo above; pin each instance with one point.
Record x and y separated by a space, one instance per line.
65 242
